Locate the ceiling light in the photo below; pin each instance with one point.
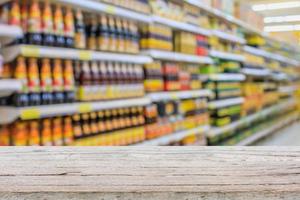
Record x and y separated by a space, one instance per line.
276 6
282 28
280 19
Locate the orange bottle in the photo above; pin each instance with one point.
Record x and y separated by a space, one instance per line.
34 24
77 126
47 25
59 26
57 132
14 15
46 133
33 82
68 131
34 134
57 78
20 134
46 82
24 22
4 136
69 28
21 97
69 82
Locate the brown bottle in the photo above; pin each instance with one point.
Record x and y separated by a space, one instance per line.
101 122
46 82
120 36
85 74
57 80
112 35
95 73
86 128
77 126
108 120
94 124
33 82
103 73
80 35
92 33
103 34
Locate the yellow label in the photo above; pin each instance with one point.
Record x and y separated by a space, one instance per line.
174 96
29 114
85 108
30 51
110 9
85 55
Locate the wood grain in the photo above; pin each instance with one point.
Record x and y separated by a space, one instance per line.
189 173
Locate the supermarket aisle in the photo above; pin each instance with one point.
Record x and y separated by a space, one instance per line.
289 136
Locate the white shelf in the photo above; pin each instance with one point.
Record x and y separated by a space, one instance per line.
9 86
256 72
179 57
288 89
8 33
174 137
228 37
227 77
37 112
246 120
263 53
268 131
227 56
181 25
99 7
10 53
225 103
161 96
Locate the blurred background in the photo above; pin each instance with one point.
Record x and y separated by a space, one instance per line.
149 72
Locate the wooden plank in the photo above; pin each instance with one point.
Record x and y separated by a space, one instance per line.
208 173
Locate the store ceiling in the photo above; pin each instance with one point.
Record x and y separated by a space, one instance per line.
287 12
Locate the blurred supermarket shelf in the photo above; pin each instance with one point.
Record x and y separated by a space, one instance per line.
98 7
174 137
8 33
288 89
263 53
256 72
251 118
9 86
227 56
162 96
10 53
228 37
225 103
270 130
227 77
37 112
173 56
181 25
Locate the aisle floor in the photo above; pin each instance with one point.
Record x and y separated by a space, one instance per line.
289 136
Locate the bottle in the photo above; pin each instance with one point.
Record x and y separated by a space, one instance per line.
5 135
24 22
112 35
4 14
86 128
94 124
46 82
103 34
46 133
80 35
59 26
134 40
69 28
69 82
34 134
92 33
95 81
77 126
20 134
33 82
127 35
68 133
34 24
57 80
14 14
47 25
57 131
120 36
21 97
101 122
